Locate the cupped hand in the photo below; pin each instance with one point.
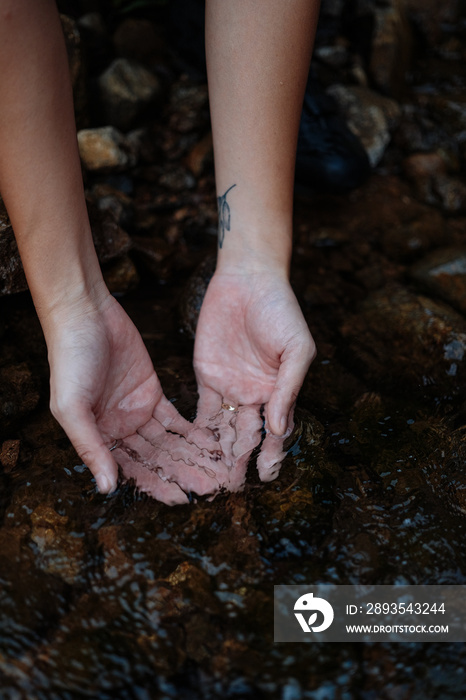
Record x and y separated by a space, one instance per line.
253 349
105 393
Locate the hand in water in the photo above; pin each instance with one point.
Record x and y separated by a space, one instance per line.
253 348
104 390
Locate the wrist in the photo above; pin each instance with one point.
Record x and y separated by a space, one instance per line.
62 295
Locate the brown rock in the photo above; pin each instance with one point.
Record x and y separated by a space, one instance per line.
200 155
405 340
9 454
105 149
121 275
154 253
109 238
58 551
391 48
432 183
409 240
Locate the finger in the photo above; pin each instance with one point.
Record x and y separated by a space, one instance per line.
177 461
248 430
177 446
149 481
169 418
270 457
81 428
294 366
166 413
272 454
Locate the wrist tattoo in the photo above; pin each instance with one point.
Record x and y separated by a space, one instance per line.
224 216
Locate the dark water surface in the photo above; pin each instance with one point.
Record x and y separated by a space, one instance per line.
124 597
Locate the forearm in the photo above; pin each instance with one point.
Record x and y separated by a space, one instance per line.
40 174
258 54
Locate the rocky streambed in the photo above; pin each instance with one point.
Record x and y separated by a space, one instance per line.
124 597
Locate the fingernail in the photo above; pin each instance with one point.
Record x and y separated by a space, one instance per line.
283 423
104 484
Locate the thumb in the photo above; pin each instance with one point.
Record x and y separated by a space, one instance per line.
86 439
295 361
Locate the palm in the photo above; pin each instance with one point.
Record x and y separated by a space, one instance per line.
242 334
252 348
105 392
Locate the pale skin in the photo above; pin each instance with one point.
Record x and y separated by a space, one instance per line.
103 385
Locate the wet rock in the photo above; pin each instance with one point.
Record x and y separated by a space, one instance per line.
19 392
370 116
406 340
411 239
121 275
193 295
110 240
117 563
105 149
78 74
59 551
12 277
422 169
443 273
127 89
451 192
9 454
433 182
201 155
391 47
155 254
113 203
189 107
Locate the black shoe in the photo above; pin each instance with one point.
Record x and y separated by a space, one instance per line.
330 158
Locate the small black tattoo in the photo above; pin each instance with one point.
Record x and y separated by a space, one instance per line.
224 216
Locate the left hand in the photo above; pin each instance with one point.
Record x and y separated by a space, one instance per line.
253 348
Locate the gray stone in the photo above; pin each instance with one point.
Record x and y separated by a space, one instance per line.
127 89
370 117
105 149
